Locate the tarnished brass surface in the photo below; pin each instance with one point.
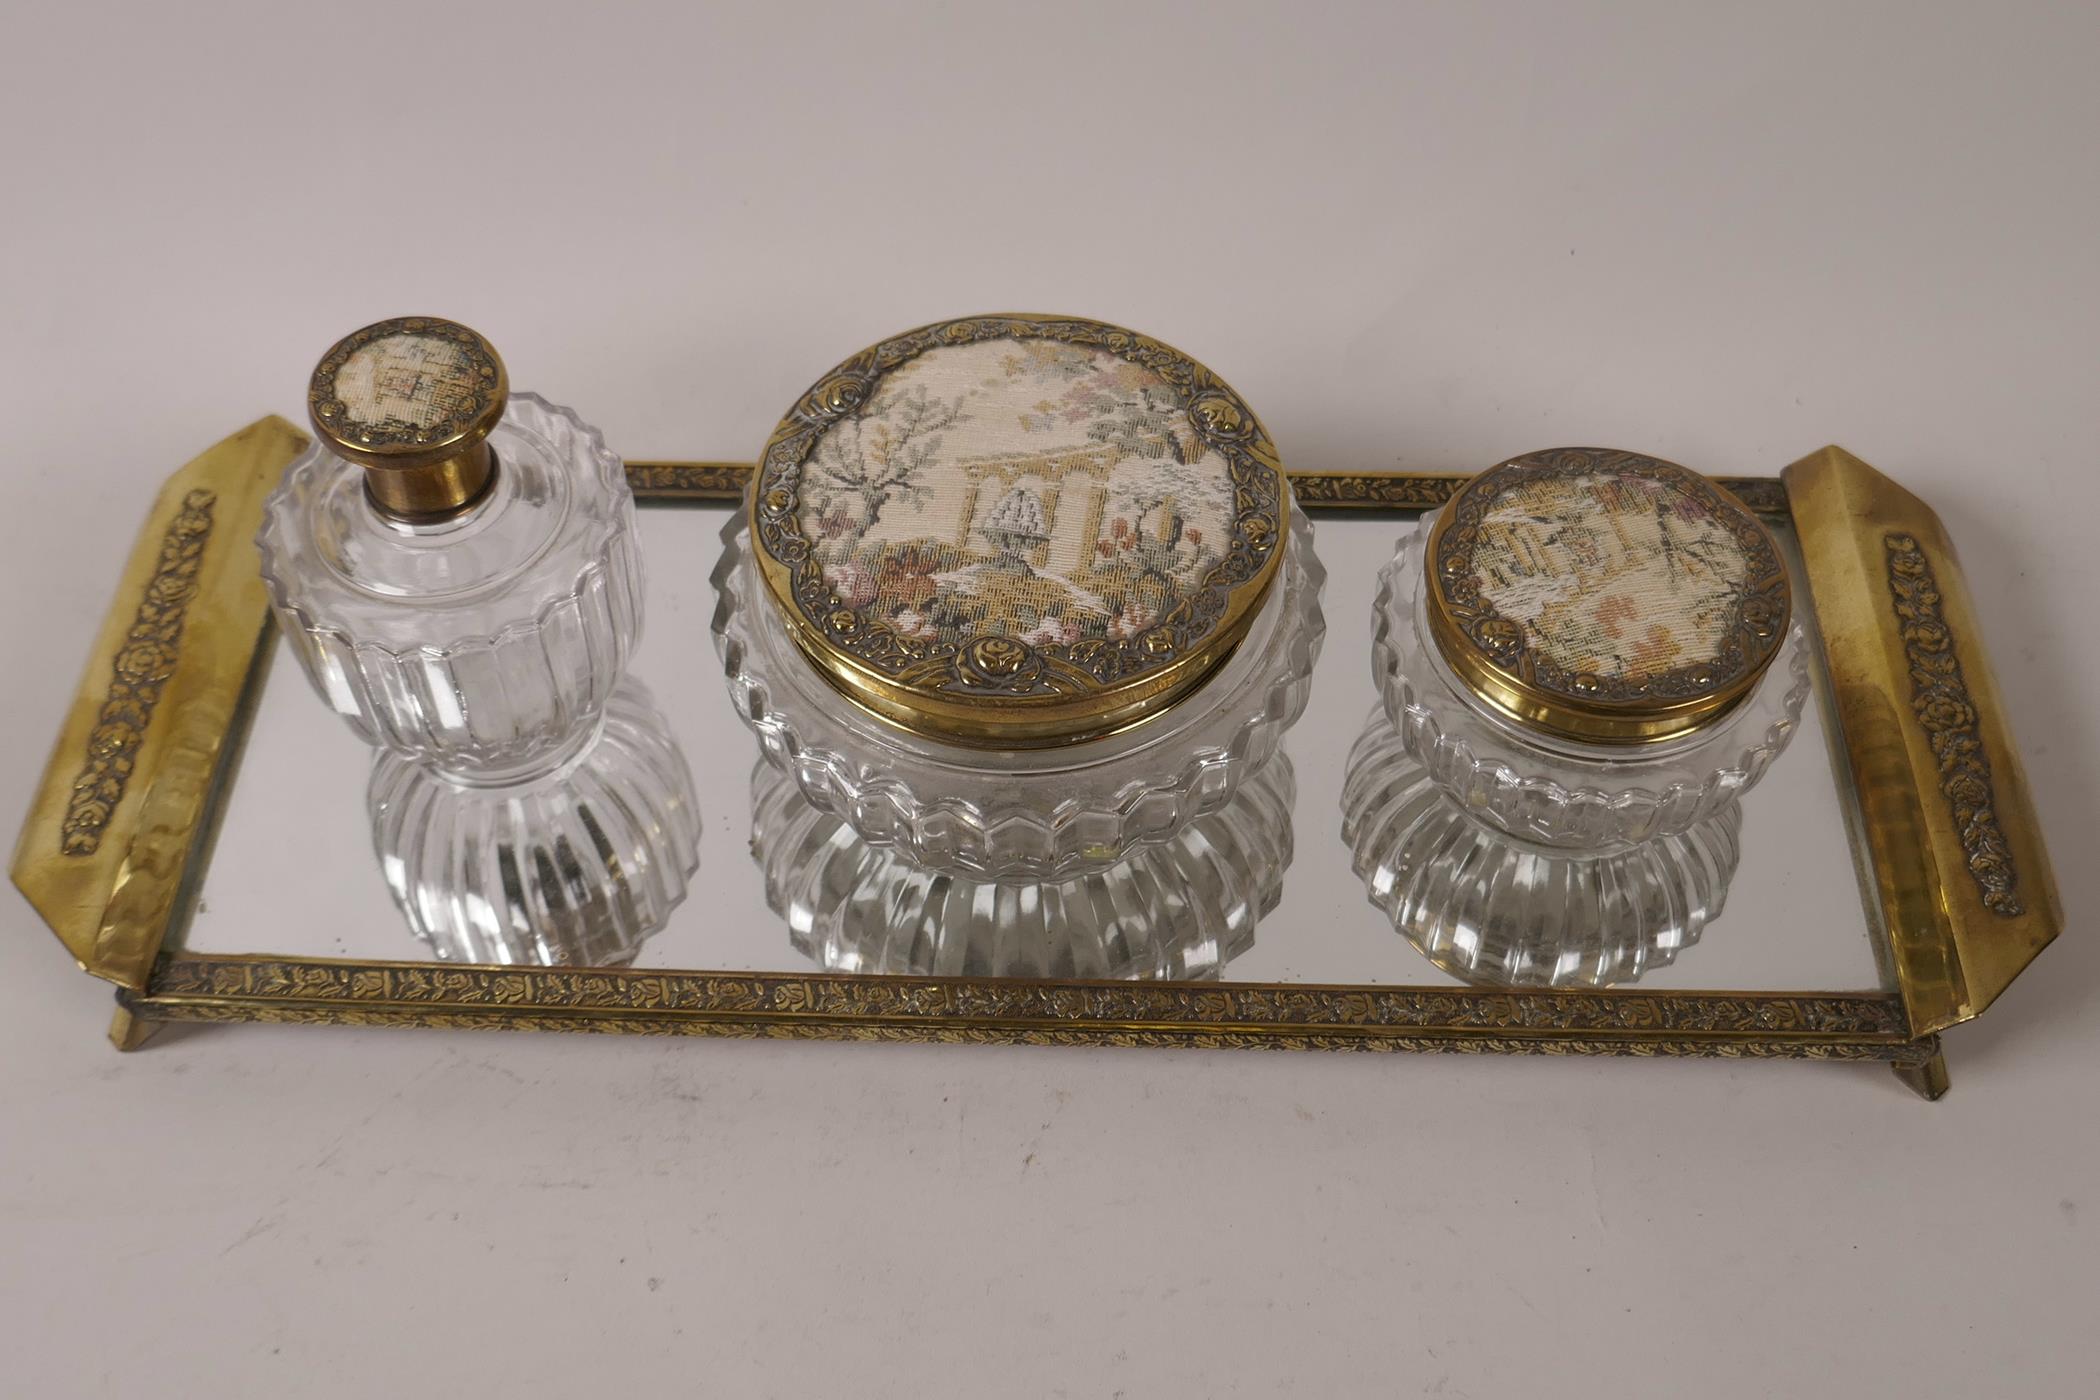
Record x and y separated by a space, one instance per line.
114 826
1966 889
1927 1078
434 492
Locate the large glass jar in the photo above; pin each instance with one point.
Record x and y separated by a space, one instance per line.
1019 615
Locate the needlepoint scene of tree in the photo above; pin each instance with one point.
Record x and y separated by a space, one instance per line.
1023 488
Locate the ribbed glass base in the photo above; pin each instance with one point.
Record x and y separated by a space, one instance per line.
1497 911
1179 910
574 867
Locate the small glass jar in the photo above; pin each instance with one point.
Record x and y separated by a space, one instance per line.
1019 614
1584 661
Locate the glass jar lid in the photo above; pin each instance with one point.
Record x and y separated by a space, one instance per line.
1604 596
1019 531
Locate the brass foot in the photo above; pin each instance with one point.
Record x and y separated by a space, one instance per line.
128 1031
1928 1079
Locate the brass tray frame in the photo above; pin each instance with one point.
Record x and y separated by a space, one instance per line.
121 829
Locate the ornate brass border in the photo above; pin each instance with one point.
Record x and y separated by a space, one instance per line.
702 482
1940 699
380 444
1496 657
1767 1025
138 673
107 851
699 483
1946 823
998 689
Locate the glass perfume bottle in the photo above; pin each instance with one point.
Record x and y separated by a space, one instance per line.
1019 612
1584 660
456 568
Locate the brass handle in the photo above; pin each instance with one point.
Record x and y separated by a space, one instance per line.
107 847
1966 889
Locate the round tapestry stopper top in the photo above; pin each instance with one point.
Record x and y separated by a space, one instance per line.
412 400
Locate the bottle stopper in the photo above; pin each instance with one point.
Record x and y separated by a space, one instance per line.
412 400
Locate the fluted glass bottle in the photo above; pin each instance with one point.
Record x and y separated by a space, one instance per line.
456 568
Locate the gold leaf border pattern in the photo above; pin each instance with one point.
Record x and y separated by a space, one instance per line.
138 673
1940 698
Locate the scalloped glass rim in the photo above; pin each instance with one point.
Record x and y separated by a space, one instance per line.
1029 813
1177 911
601 537
1555 791
1495 911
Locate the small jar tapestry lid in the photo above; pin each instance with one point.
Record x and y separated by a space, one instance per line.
1017 531
1605 596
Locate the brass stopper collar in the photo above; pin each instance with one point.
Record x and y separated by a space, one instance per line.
412 400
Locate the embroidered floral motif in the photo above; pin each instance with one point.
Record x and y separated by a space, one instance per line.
1614 576
411 381
1030 489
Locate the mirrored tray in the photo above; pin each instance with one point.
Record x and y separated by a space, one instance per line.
200 838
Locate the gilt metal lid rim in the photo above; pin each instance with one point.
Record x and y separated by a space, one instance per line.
405 448
1014 727
1494 657
997 690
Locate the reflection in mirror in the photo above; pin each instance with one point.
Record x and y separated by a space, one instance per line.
573 866
293 872
1503 913
1177 911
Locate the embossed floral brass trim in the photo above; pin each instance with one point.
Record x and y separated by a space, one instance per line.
1002 690
1496 657
689 481
1847 1026
112 837
1940 699
1765 495
137 674
418 471
395 443
1315 490
1373 491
